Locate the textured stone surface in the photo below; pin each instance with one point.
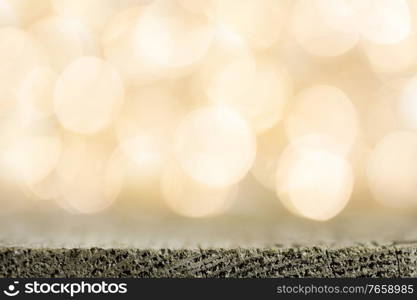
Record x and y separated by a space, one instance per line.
355 261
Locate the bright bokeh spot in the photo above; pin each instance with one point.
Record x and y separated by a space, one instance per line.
88 96
170 36
270 145
189 198
259 93
407 106
19 54
325 110
259 22
64 40
313 28
35 94
392 58
313 182
392 170
90 177
8 15
215 146
383 21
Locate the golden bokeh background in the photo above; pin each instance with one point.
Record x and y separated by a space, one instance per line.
208 107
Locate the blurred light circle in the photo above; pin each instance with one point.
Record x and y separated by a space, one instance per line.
407 106
119 46
148 152
259 93
259 22
34 157
170 36
313 182
8 15
90 177
197 6
93 13
153 109
383 21
270 145
30 150
215 146
64 40
19 54
28 11
189 198
325 110
392 58
392 170
35 94
88 96
313 28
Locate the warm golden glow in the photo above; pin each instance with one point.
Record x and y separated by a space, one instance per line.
259 93
88 95
174 105
19 53
326 110
215 146
314 30
192 199
312 181
392 175
408 104
64 40
90 177
259 22
35 94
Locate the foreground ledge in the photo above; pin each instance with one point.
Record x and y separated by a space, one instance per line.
355 261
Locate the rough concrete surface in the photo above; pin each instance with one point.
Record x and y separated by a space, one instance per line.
357 245
357 261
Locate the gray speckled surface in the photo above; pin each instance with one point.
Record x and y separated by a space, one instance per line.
376 245
359 261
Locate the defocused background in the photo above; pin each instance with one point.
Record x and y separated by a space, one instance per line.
119 114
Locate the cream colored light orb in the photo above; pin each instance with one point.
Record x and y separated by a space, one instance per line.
171 37
19 54
64 40
29 150
215 146
119 48
152 109
90 177
407 105
148 152
326 110
259 22
313 29
270 145
259 93
381 113
35 94
189 198
383 21
28 11
93 13
313 182
88 96
146 126
391 170
8 15
392 58
197 6
229 62
34 157
47 189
